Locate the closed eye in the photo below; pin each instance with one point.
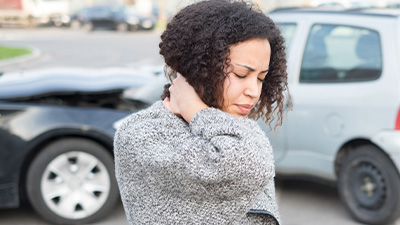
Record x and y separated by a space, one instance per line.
263 79
241 77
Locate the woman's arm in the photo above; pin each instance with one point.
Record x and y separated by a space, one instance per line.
230 142
224 147
214 148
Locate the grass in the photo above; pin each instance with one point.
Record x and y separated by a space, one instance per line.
8 52
161 26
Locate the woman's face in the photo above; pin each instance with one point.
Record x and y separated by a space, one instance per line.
242 88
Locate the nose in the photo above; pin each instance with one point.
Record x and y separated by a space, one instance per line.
253 88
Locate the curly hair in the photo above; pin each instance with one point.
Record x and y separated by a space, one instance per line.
197 41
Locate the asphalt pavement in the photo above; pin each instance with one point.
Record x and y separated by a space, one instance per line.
300 203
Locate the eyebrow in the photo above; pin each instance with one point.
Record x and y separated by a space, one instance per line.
251 68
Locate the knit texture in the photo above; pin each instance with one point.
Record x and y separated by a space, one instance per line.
210 171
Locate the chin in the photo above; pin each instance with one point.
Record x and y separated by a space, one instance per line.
239 115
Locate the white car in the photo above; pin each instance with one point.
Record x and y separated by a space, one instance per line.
344 79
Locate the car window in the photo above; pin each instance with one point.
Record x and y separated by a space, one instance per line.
336 53
287 31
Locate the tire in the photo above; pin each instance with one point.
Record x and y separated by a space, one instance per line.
72 181
369 185
75 25
32 22
88 26
134 27
122 27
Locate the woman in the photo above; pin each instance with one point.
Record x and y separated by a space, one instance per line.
196 157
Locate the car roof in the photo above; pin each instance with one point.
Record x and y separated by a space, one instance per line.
379 12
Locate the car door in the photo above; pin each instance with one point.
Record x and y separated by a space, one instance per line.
277 137
328 94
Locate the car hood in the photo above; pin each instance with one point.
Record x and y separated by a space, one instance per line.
26 84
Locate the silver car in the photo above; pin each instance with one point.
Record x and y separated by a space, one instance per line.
344 79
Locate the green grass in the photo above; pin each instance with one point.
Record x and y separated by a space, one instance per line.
7 52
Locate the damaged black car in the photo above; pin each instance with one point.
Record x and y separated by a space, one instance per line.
56 139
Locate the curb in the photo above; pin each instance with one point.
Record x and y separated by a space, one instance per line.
35 54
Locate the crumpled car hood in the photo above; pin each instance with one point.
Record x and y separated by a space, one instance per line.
26 84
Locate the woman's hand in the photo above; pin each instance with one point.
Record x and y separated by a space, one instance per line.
183 100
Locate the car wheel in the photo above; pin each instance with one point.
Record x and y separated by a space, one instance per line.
57 23
122 27
133 27
369 186
71 181
88 26
75 25
147 25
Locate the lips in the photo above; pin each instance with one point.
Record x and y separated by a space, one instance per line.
245 108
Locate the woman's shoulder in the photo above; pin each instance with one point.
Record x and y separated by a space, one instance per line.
217 116
153 112
152 118
156 110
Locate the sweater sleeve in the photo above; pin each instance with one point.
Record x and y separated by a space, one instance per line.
272 203
228 150
266 201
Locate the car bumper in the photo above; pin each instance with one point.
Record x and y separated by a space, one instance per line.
389 141
9 196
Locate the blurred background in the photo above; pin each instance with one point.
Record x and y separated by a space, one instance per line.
47 38
58 12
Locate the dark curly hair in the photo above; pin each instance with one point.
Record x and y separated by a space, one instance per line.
196 44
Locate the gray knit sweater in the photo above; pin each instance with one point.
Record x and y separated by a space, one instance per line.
210 171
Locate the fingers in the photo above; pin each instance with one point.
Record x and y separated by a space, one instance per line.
166 103
178 81
181 87
171 106
176 87
184 100
178 75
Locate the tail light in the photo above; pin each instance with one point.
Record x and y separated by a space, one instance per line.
397 125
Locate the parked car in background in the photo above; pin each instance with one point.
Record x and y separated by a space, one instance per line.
99 17
393 5
31 13
344 80
56 139
74 20
129 19
121 18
